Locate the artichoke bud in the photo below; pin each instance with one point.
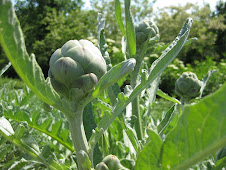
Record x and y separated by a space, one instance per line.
101 166
140 37
112 162
66 69
188 85
77 65
143 30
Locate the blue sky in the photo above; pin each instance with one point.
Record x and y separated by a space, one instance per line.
165 3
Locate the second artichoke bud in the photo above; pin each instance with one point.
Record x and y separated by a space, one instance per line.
77 65
188 86
143 30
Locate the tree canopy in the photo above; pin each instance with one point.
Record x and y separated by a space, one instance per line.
48 24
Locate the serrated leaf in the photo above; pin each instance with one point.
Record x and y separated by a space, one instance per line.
47 125
26 144
200 132
12 41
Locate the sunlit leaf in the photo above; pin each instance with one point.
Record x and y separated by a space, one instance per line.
12 41
200 132
118 16
130 31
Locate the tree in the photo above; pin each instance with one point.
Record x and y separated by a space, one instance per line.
172 18
142 9
218 25
204 54
48 24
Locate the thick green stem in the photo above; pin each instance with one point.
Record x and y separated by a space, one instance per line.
136 112
135 73
135 103
78 133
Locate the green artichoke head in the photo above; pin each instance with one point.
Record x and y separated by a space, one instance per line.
188 85
76 65
143 30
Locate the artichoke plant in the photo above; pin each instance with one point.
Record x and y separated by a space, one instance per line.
143 30
188 86
78 65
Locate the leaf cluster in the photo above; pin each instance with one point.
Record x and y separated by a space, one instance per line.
181 137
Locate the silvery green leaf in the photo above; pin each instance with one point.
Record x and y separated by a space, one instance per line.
113 75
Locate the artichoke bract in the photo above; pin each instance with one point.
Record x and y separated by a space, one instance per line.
101 166
143 30
112 162
78 65
188 86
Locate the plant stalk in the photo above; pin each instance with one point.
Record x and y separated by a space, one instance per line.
135 102
78 133
136 112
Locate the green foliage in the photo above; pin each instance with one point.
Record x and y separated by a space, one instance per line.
195 131
50 20
171 135
204 28
29 123
149 156
201 68
185 144
27 67
142 9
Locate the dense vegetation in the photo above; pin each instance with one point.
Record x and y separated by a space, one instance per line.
47 25
40 132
